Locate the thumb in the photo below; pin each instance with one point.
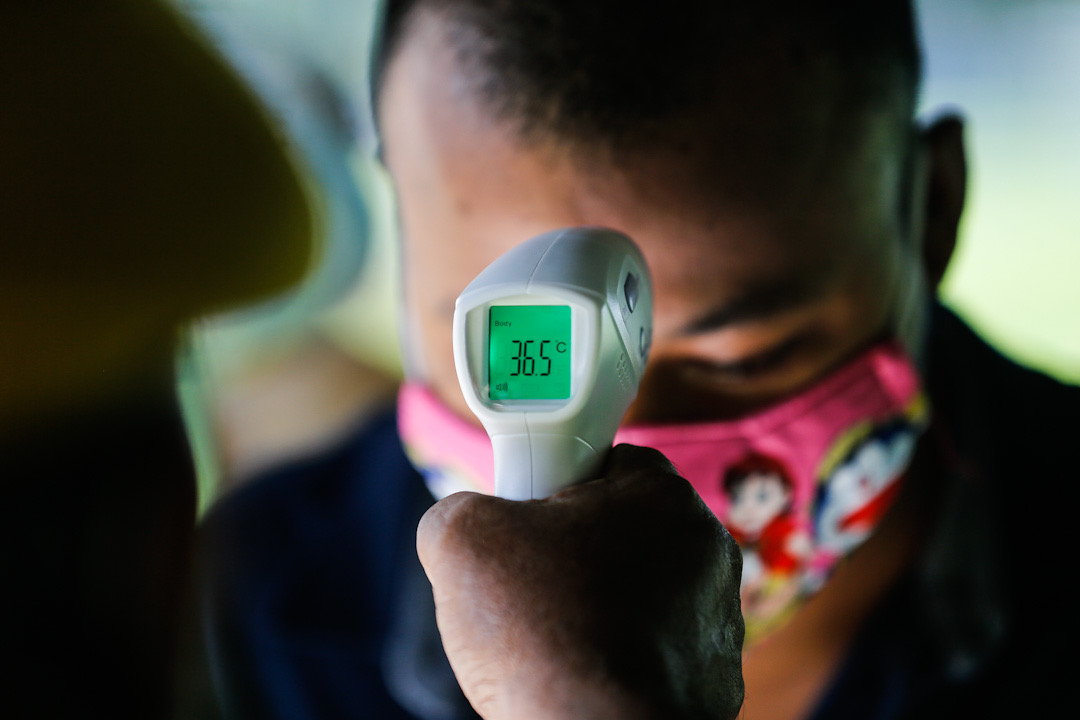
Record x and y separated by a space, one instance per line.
626 461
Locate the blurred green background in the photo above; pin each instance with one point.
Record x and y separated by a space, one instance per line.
1013 69
277 382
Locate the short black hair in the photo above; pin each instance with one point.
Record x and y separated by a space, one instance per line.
615 69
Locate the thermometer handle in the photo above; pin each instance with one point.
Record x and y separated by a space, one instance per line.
582 299
523 462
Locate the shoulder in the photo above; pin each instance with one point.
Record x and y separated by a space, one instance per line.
338 517
1005 526
298 572
336 480
996 409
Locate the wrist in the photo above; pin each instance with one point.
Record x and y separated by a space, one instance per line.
577 700
565 693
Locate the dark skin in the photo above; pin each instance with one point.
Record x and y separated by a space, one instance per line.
578 660
757 295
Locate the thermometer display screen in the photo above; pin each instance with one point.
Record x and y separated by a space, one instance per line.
529 352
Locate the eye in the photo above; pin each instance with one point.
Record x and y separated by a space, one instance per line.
761 363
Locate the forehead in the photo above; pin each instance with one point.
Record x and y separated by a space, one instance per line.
719 205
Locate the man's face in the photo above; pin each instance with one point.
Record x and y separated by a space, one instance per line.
768 270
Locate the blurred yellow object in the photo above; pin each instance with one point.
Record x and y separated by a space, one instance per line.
140 186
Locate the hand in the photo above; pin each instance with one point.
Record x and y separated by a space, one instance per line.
617 598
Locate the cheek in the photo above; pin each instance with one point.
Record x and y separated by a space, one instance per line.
438 265
741 515
778 502
432 282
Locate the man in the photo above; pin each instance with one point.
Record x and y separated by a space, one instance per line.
795 220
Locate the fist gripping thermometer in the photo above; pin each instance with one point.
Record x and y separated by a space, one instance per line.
550 344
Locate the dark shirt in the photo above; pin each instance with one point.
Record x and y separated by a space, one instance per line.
317 607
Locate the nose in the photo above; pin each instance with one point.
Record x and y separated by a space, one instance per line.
668 395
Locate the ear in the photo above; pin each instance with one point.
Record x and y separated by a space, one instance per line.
945 167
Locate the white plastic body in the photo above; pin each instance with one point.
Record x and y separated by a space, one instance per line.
542 446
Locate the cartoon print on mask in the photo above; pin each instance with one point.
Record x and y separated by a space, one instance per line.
767 476
859 480
773 541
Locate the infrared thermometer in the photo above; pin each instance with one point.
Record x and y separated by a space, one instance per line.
550 344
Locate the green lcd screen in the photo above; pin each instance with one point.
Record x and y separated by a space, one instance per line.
529 352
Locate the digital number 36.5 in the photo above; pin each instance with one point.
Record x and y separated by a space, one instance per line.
526 363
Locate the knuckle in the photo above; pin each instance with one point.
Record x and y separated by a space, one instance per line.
730 554
441 527
643 457
675 493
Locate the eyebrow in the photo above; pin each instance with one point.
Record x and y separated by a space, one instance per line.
758 301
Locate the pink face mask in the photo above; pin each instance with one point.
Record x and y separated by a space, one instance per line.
799 485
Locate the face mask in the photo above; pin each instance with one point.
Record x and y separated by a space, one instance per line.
799 485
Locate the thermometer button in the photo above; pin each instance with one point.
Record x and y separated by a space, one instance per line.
630 290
